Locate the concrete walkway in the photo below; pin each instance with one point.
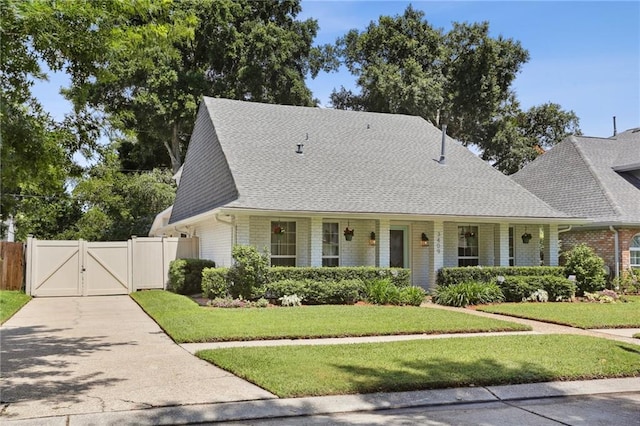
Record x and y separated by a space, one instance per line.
102 360
65 356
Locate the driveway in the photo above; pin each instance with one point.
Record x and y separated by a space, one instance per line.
74 355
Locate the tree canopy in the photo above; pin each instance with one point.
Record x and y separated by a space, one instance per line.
461 78
150 62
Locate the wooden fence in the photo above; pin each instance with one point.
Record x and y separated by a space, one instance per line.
11 265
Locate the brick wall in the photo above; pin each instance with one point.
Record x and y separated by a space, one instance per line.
602 242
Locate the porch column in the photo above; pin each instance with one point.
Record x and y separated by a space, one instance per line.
436 251
316 241
502 244
383 238
551 245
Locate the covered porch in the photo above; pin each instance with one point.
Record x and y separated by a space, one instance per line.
422 245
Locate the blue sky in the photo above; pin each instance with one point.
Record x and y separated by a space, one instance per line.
584 56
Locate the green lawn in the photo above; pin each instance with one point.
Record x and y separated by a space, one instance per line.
185 321
296 371
10 303
582 315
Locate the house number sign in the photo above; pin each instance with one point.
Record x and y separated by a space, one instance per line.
437 242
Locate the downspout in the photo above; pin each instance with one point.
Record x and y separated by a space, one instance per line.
616 241
560 231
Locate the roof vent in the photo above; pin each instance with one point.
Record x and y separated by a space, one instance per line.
615 131
299 150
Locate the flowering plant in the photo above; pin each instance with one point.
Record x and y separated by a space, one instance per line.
278 230
348 231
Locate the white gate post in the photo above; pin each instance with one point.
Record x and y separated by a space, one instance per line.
30 262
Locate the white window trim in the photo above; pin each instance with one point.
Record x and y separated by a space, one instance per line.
633 248
284 256
339 244
464 228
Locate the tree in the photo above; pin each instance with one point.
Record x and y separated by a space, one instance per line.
461 78
521 136
36 152
117 205
403 65
152 61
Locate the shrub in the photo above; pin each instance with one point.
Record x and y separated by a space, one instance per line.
452 276
290 300
382 292
400 277
214 282
228 302
629 282
515 289
587 267
185 275
538 296
519 288
412 296
468 293
558 288
249 271
604 296
317 292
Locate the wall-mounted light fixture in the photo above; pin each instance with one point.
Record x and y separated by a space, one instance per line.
372 239
424 240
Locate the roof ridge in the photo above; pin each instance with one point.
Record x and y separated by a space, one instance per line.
605 192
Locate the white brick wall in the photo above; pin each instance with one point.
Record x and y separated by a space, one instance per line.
527 254
216 240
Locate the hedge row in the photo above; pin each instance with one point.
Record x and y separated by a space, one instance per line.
399 277
323 285
516 289
452 276
185 275
317 292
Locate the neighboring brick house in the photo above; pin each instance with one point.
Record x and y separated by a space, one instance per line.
596 178
292 179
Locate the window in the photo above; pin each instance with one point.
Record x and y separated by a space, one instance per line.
467 246
512 257
330 244
634 250
283 244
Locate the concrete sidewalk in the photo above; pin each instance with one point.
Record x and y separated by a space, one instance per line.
313 406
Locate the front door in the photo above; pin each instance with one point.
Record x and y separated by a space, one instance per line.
398 256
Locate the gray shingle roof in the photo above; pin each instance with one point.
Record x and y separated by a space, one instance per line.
592 177
353 162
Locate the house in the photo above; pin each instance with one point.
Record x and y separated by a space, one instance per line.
294 179
597 178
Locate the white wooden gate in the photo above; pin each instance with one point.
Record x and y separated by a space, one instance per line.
82 268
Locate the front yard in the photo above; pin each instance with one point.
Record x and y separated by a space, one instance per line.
581 315
186 321
296 371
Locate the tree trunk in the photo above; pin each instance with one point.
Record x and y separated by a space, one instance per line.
174 148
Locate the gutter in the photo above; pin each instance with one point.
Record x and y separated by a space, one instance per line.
616 241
